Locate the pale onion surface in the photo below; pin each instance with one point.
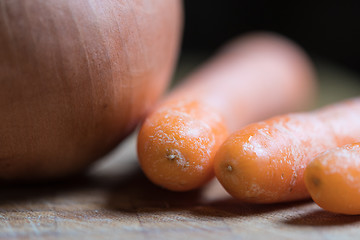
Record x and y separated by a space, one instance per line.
76 76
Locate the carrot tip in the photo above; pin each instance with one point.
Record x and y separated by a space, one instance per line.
175 156
172 155
315 181
229 168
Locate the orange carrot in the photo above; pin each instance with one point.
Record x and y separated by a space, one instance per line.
333 179
265 161
252 78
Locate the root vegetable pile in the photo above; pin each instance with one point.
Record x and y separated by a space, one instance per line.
253 77
78 76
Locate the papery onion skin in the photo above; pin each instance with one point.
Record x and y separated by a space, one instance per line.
76 76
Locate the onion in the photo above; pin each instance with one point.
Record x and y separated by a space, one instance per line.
76 76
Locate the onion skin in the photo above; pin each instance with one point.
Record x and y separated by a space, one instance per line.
76 76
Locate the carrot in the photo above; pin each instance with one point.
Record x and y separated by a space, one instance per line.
265 161
333 179
252 78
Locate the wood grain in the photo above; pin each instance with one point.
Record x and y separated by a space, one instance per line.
116 201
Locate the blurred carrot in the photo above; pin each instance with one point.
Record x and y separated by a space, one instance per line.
252 78
265 161
333 179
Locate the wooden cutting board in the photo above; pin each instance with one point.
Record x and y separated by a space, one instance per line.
115 201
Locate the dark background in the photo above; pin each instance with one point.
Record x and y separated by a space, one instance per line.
326 30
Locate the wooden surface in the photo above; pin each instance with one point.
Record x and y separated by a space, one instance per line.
115 201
